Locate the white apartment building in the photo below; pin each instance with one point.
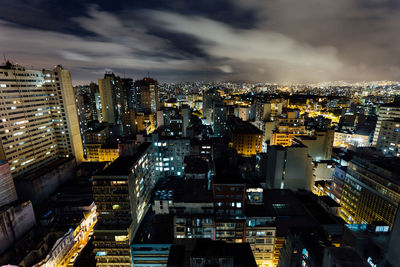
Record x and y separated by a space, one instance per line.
38 118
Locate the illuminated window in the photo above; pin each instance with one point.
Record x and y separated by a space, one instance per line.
121 238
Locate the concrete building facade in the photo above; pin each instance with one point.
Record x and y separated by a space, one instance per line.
39 121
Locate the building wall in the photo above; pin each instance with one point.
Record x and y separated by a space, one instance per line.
365 200
389 138
262 241
155 255
320 148
72 136
38 188
289 168
343 139
169 155
15 221
247 144
8 193
195 226
107 105
385 113
122 201
97 153
39 118
26 124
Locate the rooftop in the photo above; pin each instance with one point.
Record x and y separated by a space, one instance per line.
187 249
193 191
243 127
195 165
46 169
122 165
155 229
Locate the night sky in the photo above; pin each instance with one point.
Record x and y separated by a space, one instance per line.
188 40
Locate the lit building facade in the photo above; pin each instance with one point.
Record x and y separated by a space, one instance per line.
169 155
386 112
121 193
287 128
367 190
349 139
147 96
246 138
389 138
260 234
219 119
100 153
39 121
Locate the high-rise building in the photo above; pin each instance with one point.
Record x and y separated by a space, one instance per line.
367 189
210 98
64 113
39 121
146 95
386 112
113 98
122 193
185 113
219 119
389 137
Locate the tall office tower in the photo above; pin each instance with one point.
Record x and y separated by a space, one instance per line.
368 189
386 112
289 167
210 98
129 91
39 121
185 113
389 137
64 113
112 98
147 96
92 92
219 119
7 187
122 193
86 97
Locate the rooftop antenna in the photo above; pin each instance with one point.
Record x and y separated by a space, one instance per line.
148 74
4 56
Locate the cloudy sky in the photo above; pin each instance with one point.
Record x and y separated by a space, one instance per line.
188 40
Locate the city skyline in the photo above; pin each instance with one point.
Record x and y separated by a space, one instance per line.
199 133
229 41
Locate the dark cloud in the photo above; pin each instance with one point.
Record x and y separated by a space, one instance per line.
283 41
